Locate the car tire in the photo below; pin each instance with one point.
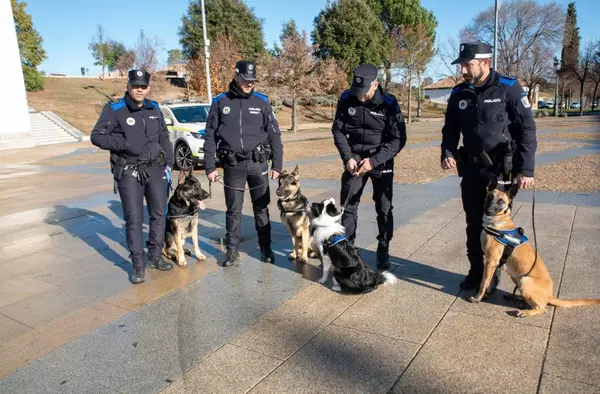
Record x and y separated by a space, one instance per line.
183 157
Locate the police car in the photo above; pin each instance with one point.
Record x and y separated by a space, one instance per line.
186 121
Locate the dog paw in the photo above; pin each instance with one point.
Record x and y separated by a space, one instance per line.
522 314
474 300
182 263
336 288
200 257
292 256
313 255
302 260
322 281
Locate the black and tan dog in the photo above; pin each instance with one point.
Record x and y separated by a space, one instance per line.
295 214
525 268
182 218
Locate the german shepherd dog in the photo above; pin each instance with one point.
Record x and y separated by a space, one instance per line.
182 218
535 286
295 214
350 273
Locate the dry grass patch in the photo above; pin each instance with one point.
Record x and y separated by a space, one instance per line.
573 135
551 146
418 166
577 175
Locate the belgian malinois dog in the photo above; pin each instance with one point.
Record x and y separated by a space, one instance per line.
524 266
182 218
295 214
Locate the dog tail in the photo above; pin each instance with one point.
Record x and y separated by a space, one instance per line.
571 303
389 278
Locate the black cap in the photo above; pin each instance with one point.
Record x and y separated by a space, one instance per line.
246 69
364 75
473 50
139 77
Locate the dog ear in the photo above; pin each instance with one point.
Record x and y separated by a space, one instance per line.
492 183
512 192
181 178
191 171
296 172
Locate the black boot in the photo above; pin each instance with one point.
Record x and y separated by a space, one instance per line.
383 255
138 272
267 255
231 257
159 264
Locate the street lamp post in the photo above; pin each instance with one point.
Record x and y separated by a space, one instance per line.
557 68
494 66
206 54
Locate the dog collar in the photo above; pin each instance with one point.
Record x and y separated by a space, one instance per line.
336 239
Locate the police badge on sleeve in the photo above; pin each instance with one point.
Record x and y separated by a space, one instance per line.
525 102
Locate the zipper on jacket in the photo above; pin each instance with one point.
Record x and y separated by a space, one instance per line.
241 132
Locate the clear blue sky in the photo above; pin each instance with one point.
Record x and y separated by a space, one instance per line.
67 26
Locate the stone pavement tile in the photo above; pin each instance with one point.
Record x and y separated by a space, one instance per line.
410 237
41 377
21 288
79 248
230 369
555 385
497 306
467 353
408 310
137 296
165 339
283 331
553 227
30 346
31 264
443 256
43 308
26 247
341 360
10 328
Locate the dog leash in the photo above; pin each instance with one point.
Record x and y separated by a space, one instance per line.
350 192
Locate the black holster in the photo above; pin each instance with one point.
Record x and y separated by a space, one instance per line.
117 168
262 153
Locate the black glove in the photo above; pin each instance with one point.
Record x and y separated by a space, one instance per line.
142 174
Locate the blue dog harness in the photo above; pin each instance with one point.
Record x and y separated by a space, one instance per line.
336 239
511 239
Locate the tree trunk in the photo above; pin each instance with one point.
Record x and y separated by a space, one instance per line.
294 119
582 83
409 97
419 109
388 74
594 100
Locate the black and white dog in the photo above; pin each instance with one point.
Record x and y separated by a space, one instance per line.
338 254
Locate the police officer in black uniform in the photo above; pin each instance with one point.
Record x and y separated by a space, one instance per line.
499 140
369 131
243 132
134 131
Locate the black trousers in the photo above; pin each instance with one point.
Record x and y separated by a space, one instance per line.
132 198
255 174
473 192
382 196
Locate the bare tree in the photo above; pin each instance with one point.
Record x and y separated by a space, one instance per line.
125 62
595 77
586 61
224 54
521 25
146 52
295 65
413 50
447 52
536 67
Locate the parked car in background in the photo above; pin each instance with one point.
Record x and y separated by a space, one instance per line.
186 121
575 105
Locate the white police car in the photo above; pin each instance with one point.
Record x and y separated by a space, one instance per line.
186 121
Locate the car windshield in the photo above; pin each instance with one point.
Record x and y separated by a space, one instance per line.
191 114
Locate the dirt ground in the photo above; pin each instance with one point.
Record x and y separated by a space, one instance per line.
555 146
578 175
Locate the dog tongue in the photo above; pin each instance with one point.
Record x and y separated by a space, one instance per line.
201 205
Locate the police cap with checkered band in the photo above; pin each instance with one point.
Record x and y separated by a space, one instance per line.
364 75
473 50
139 78
246 69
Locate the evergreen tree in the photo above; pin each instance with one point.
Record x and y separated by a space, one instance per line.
30 46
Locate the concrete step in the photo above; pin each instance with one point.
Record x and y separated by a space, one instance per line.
47 128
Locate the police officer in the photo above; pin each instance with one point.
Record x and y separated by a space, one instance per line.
243 132
134 131
499 140
369 131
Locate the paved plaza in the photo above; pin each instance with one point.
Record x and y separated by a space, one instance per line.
71 322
